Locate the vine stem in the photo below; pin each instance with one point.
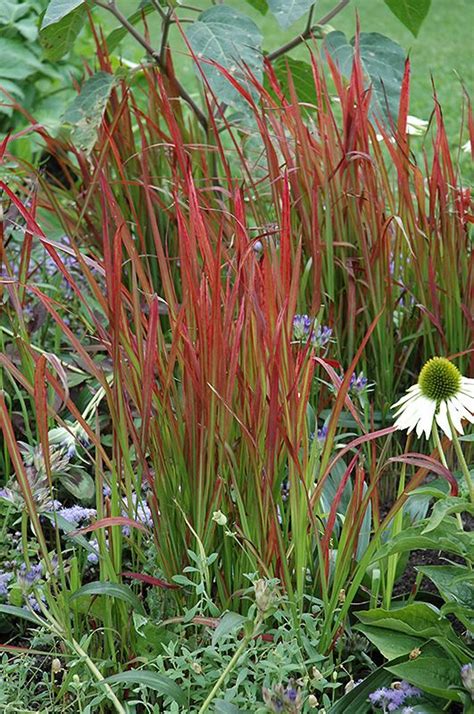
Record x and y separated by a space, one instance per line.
461 459
238 652
310 30
114 10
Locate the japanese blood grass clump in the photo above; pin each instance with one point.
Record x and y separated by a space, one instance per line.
196 259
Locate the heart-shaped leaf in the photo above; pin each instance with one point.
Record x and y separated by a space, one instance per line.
383 63
410 12
288 11
224 37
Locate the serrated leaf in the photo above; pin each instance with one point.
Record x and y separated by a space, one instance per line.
152 680
444 507
58 9
287 12
57 37
435 675
410 12
86 111
229 623
383 63
232 40
117 35
116 590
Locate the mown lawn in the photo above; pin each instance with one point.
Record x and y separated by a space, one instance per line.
443 50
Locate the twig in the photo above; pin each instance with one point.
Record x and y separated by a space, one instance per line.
310 30
114 10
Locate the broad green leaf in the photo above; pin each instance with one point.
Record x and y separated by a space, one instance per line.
288 11
20 612
418 619
57 9
116 590
464 614
230 39
260 5
152 680
435 675
79 483
410 12
302 76
356 701
116 36
444 507
86 111
17 61
454 582
230 622
391 644
383 63
57 37
446 537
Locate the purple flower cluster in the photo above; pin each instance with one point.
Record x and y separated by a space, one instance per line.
28 578
389 699
303 330
77 514
5 578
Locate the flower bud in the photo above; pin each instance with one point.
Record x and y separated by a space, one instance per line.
219 518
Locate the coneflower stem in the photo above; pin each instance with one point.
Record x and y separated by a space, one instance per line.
461 459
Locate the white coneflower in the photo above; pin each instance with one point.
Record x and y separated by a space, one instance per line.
441 394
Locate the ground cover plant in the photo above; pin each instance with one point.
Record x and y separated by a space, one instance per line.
236 375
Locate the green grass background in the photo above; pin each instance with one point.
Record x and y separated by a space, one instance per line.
444 48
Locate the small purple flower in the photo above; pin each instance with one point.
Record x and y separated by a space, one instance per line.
93 558
322 336
33 603
322 433
106 490
27 578
358 382
467 676
302 326
304 330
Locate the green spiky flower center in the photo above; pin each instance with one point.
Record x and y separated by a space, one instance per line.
439 379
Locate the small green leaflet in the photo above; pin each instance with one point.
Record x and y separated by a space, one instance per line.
288 11
410 12
383 63
232 40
